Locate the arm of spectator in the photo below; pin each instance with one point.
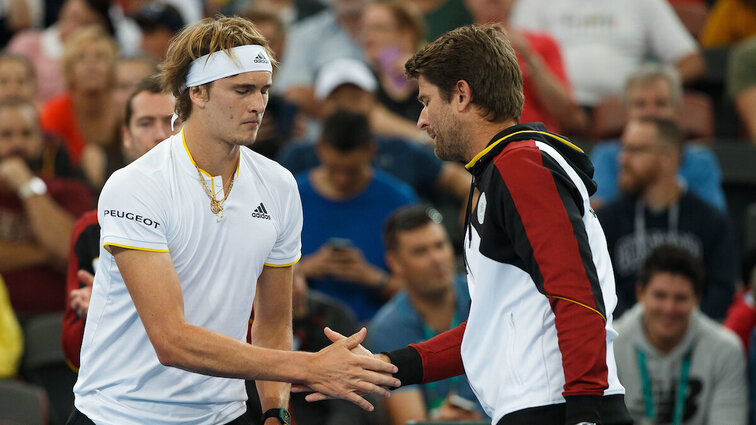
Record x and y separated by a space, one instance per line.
745 103
350 265
18 15
691 67
20 255
93 164
406 405
304 97
334 371
729 403
272 327
386 123
456 180
51 224
550 82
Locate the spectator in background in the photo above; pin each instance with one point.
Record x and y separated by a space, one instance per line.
83 116
442 16
392 31
45 48
348 85
147 122
434 299
741 316
315 42
128 73
548 97
657 209
311 312
36 214
281 117
741 84
345 202
11 336
677 365
729 22
17 78
15 15
604 42
159 23
655 91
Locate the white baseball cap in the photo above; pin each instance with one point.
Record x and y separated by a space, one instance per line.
343 71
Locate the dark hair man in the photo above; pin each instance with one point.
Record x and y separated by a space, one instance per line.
677 365
537 346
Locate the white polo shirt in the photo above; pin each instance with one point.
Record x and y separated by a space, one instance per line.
157 204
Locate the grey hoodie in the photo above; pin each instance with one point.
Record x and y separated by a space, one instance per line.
717 389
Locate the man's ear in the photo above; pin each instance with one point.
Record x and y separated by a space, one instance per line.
638 292
199 95
391 262
462 95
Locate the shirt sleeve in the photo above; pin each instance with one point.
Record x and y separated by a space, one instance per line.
669 40
288 247
729 402
133 212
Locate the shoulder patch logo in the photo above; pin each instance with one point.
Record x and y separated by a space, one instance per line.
261 212
482 207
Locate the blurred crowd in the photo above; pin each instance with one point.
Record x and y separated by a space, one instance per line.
653 88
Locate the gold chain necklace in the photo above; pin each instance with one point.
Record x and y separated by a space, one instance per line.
216 206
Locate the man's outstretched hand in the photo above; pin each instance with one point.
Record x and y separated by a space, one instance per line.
358 372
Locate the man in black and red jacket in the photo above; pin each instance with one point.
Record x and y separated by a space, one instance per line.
537 346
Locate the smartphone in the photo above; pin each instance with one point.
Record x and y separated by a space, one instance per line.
340 244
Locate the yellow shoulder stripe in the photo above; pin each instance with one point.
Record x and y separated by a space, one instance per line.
131 247
492 145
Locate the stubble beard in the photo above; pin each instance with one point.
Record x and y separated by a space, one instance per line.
450 143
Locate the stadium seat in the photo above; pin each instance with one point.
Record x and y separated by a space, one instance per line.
696 117
44 364
22 403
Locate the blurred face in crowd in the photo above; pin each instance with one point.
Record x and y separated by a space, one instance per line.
489 11
346 172
274 34
150 123
652 99
381 35
20 134
156 41
438 121
351 8
668 301
16 81
424 258
94 68
640 157
349 97
128 72
76 14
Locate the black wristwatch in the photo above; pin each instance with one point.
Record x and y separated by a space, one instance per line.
279 413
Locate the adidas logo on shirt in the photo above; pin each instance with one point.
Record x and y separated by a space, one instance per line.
261 212
261 59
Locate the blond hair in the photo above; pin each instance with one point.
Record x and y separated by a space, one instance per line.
78 42
205 37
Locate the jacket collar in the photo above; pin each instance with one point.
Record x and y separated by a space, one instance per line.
527 131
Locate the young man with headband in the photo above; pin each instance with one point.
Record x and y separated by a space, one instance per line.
537 345
193 233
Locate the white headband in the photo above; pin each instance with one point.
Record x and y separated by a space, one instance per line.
220 64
